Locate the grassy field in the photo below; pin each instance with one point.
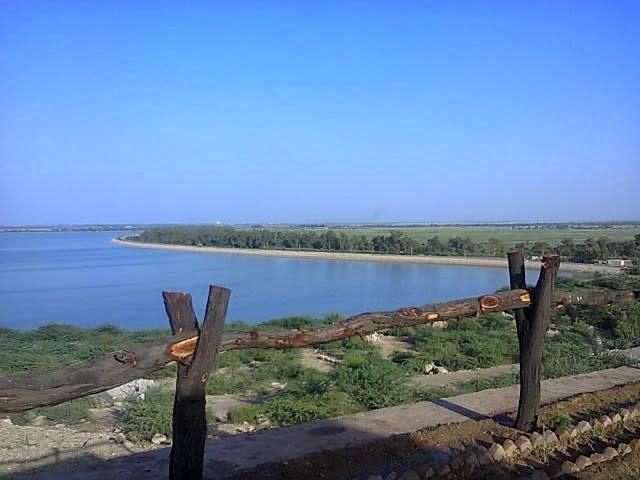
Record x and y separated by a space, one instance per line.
507 234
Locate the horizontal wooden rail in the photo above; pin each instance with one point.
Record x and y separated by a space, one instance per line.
25 391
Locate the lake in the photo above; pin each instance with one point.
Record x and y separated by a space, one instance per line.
84 279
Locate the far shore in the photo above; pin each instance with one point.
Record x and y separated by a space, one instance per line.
372 257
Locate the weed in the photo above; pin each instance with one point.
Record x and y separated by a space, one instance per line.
558 419
142 419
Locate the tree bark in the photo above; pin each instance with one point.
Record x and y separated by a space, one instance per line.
189 417
532 324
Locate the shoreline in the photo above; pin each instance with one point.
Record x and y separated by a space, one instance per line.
370 257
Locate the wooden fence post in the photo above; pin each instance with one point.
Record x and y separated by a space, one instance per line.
532 324
189 417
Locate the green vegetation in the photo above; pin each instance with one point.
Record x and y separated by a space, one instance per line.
54 345
474 343
290 392
558 419
71 412
143 418
616 241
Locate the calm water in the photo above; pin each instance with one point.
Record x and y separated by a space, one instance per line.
84 279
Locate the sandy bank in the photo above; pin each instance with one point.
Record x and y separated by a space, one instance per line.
370 257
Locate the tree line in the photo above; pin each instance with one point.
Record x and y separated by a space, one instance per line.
396 242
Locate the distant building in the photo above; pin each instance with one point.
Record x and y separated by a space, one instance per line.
617 262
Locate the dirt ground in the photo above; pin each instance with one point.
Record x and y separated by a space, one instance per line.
438 444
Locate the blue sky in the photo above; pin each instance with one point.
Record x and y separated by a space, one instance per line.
319 111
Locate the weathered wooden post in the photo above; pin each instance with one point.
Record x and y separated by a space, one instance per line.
189 417
532 324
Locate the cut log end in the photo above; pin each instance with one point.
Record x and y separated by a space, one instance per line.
550 260
489 302
183 351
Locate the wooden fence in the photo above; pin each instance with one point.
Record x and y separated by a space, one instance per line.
195 347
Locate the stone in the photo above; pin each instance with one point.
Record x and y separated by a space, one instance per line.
568 468
472 460
445 470
583 427
509 448
159 439
262 419
484 457
6 421
625 414
582 462
624 449
550 438
246 427
409 475
456 462
536 439
539 475
91 443
121 393
597 458
40 421
433 369
523 444
635 444
605 421
119 438
562 434
616 418
425 471
573 433
128 444
497 452
609 453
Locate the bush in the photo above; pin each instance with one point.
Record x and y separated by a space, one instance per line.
142 419
287 408
373 383
575 351
558 419
625 321
488 341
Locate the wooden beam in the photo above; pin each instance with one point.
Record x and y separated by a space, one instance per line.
531 332
29 390
189 418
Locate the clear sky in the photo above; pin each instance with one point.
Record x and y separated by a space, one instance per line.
308 111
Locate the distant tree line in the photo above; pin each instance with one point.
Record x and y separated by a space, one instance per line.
396 242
